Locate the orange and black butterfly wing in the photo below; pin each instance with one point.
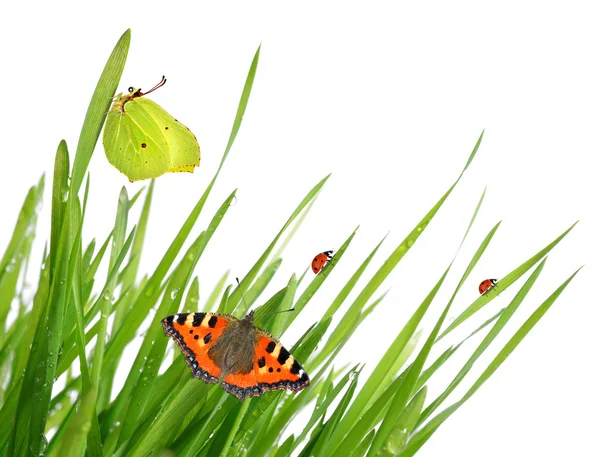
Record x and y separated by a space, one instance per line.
195 333
274 369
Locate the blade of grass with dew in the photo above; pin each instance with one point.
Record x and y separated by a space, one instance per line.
193 296
234 428
398 437
25 223
60 194
84 431
421 437
58 438
34 399
504 283
108 366
10 265
90 273
68 354
130 273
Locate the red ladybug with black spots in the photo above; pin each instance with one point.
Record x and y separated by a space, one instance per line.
320 260
486 285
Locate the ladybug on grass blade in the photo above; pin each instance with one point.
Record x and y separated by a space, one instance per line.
320 260
486 285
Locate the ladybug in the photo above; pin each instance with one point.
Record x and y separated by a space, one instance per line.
486 285
320 260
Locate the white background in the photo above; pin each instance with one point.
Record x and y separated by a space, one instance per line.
391 98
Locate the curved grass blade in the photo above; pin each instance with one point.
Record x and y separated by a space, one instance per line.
97 110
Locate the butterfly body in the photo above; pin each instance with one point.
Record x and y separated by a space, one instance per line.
248 360
320 260
486 285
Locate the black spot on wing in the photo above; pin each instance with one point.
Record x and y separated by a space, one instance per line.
283 356
212 321
198 318
207 338
270 347
261 361
295 367
181 319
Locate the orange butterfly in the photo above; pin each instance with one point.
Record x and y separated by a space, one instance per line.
248 360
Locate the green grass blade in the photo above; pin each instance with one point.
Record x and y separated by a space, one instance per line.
234 428
239 115
398 437
60 193
364 445
97 110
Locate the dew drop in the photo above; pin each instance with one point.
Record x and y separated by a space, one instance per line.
150 291
174 293
11 266
39 449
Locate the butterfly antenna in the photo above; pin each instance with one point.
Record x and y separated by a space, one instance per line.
277 312
161 83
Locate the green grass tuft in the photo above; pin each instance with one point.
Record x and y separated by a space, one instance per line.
83 316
